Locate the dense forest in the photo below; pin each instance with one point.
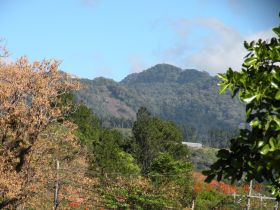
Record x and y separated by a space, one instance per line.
188 97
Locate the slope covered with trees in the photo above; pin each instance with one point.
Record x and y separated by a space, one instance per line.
188 97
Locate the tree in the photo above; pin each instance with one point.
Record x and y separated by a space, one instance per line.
57 142
108 156
174 175
152 136
88 124
29 103
256 151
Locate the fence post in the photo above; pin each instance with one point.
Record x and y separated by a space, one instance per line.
193 205
276 205
261 199
56 188
249 196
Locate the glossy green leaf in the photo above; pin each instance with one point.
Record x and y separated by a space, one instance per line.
260 144
276 30
274 84
265 149
277 96
277 120
250 164
250 61
222 76
254 123
259 169
223 87
272 142
249 100
276 74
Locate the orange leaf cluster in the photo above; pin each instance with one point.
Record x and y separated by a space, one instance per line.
214 185
28 99
58 142
29 103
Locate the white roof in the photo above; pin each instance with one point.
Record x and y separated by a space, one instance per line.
192 144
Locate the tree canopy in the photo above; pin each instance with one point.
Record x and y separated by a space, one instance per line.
255 153
152 136
29 103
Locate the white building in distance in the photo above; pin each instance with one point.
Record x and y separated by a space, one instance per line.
192 144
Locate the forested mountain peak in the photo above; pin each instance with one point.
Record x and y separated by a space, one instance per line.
104 81
165 73
157 73
189 97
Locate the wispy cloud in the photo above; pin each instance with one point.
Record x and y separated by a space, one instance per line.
218 49
223 48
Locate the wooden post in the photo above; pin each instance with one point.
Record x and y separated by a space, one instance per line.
261 202
249 196
193 205
56 188
276 205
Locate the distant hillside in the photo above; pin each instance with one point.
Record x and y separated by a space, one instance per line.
188 97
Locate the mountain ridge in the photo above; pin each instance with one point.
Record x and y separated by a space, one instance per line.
164 72
186 96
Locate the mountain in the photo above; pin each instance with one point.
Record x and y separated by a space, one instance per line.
189 97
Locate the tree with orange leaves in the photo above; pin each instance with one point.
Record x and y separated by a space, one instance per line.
29 102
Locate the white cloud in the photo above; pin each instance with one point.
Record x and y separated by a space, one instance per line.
226 49
220 48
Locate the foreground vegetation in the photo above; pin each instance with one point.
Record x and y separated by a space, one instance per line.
255 153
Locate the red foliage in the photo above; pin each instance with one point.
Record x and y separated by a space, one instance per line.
198 187
214 185
74 204
77 202
246 188
227 189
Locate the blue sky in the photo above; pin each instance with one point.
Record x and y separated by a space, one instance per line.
114 38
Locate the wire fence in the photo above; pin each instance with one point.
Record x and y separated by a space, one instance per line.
65 177
257 202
